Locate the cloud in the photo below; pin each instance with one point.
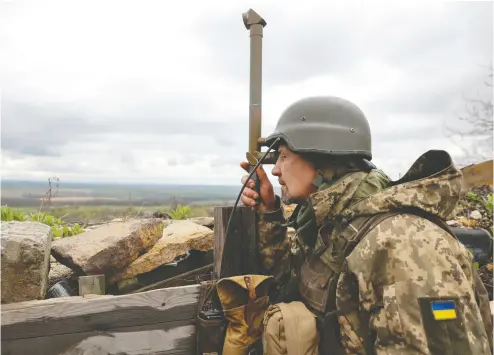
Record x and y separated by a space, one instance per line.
149 92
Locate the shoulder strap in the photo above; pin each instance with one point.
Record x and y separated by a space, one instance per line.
365 228
356 235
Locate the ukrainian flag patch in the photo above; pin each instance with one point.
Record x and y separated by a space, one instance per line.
444 310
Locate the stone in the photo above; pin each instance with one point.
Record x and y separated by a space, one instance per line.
204 221
59 272
466 222
179 237
476 215
25 253
454 223
108 247
147 214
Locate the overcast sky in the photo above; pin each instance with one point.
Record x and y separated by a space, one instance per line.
158 91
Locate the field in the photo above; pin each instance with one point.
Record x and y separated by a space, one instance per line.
95 202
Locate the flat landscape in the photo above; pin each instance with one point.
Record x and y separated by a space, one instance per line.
94 202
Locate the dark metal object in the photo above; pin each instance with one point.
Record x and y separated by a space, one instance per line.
478 241
60 289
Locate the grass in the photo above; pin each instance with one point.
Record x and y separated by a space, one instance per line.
95 214
59 227
68 208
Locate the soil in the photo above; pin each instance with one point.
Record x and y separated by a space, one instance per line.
466 206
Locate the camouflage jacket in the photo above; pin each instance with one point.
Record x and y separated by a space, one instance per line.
403 262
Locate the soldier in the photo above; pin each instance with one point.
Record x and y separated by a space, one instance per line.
372 258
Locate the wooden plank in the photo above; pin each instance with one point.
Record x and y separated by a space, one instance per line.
92 284
221 215
176 337
78 314
249 264
241 254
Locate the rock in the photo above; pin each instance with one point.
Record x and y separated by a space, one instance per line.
60 272
476 215
204 221
160 214
147 214
454 223
25 252
466 222
179 237
109 247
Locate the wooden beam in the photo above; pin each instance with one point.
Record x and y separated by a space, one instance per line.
175 337
92 284
69 315
241 254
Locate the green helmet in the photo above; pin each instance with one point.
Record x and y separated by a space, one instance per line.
327 125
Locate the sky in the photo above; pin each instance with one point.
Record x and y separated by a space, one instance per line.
158 91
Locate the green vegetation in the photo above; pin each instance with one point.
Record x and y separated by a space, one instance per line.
181 212
59 228
486 202
69 207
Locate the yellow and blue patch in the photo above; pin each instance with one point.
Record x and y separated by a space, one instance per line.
443 310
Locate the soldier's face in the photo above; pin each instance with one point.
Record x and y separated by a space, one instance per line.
295 175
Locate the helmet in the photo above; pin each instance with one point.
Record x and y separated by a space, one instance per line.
327 125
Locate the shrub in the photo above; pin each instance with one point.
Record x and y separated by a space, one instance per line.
59 228
181 212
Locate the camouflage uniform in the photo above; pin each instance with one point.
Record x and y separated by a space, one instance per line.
394 273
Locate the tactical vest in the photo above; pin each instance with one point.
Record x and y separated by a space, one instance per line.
319 276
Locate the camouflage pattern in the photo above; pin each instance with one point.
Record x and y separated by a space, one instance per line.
397 269
274 246
244 300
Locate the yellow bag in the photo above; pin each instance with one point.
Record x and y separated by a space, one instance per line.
290 328
244 300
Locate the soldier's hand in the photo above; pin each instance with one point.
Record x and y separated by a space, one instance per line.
266 190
